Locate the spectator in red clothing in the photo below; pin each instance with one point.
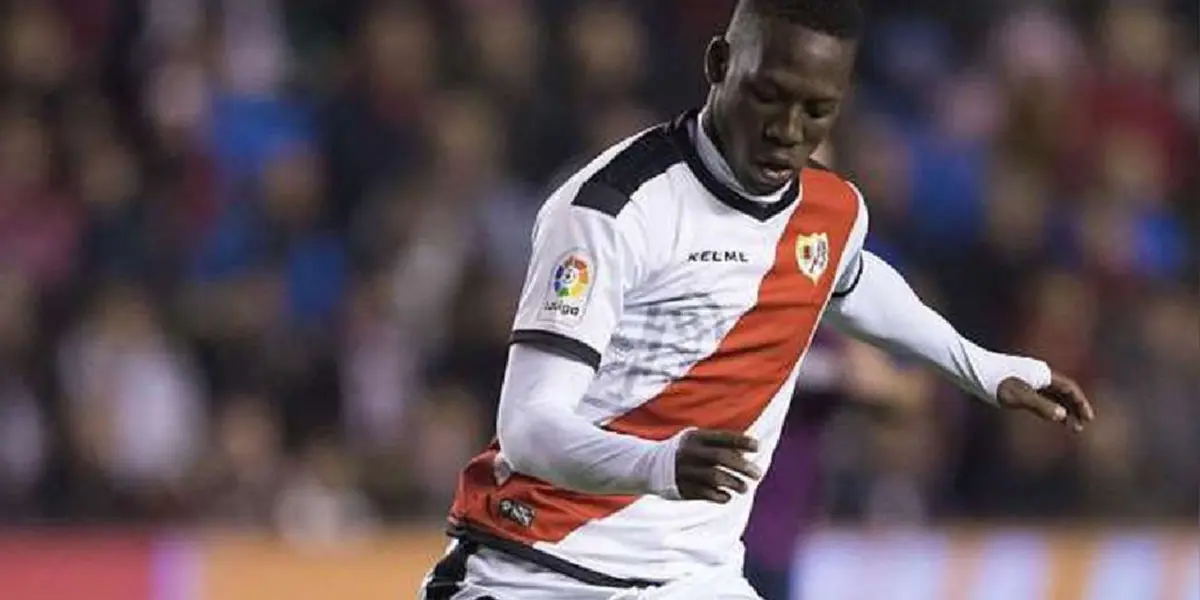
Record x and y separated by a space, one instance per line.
1129 90
39 222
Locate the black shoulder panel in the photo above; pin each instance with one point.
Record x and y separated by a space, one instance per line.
610 189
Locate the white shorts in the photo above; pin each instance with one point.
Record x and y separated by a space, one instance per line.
486 574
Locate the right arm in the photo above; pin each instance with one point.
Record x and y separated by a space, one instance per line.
542 436
585 260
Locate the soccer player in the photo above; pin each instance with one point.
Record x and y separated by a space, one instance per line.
675 284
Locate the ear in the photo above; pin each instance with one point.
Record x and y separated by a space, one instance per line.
716 60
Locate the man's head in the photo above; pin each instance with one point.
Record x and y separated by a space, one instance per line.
778 77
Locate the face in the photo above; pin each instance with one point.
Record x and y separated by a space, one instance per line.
776 93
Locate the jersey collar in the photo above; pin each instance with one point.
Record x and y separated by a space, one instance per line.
682 139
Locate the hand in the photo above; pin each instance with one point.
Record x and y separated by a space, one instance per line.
708 463
1060 402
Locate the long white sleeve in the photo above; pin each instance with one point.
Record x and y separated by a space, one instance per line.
883 310
542 436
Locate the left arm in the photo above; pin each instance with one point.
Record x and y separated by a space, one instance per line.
883 310
873 303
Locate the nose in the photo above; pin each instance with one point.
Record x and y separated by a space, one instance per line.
787 128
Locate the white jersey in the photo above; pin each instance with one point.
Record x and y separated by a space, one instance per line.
695 305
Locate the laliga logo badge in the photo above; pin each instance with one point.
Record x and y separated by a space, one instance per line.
812 255
572 277
570 287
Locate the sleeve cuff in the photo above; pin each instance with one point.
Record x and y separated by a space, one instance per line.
558 344
853 284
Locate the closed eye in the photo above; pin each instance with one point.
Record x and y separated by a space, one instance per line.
821 109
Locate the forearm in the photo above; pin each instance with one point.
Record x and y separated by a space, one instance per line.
883 310
541 434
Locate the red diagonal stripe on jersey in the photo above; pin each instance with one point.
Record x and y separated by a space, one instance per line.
727 390
731 387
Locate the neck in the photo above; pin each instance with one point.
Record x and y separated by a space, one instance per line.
713 154
710 129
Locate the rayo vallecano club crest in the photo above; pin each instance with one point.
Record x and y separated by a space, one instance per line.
812 255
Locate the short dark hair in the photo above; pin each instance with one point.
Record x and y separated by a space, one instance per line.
839 18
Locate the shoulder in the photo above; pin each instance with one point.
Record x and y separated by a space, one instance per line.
618 178
619 188
827 174
846 191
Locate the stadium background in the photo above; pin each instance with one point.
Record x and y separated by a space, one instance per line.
258 260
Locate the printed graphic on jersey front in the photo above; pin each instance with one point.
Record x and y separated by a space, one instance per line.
812 255
570 288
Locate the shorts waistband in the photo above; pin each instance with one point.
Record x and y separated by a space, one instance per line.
547 561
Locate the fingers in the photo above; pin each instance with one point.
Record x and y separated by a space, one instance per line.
1016 394
725 439
1045 408
708 483
695 491
708 478
711 464
728 459
1068 393
1060 402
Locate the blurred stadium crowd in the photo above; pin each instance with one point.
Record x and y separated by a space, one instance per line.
258 258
